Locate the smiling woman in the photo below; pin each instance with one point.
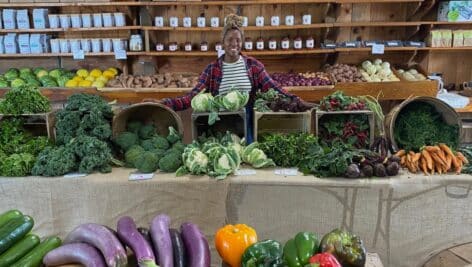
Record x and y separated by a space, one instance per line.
232 71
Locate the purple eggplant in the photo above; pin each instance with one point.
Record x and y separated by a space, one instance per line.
128 232
180 258
101 238
82 253
160 236
196 245
145 233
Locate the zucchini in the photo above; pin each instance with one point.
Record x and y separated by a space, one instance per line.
9 215
14 230
19 250
34 258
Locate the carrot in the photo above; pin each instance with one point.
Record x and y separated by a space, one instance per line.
456 162
403 161
400 153
416 157
423 166
459 169
428 159
439 169
437 158
411 167
446 149
432 149
448 161
462 157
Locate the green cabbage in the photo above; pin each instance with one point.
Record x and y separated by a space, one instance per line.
11 74
26 70
3 84
41 73
17 83
233 101
203 102
56 73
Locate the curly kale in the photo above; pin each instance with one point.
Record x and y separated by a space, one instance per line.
91 152
85 103
67 123
147 131
25 99
126 140
17 165
147 162
55 161
170 162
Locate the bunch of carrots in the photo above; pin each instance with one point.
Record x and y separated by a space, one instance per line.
432 159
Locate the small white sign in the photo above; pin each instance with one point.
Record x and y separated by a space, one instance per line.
287 172
378 49
245 172
75 175
140 176
220 52
120 54
78 54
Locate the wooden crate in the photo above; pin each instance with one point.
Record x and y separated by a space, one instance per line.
41 124
235 122
281 122
318 114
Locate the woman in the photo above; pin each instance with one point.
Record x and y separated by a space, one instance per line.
232 70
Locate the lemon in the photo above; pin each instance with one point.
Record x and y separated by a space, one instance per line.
77 78
114 70
82 73
95 73
109 74
85 83
90 78
102 79
72 83
98 84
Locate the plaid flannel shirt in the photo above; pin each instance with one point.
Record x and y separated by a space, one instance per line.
211 78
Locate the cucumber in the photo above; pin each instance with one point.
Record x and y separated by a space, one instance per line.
9 215
14 230
34 258
19 250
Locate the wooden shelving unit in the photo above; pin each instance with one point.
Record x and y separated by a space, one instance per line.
124 28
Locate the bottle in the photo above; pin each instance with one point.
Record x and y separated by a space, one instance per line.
203 46
272 44
310 43
218 46
173 46
260 44
136 43
248 44
297 43
285 44
188 46
159 47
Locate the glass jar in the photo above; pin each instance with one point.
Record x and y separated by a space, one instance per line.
188 46
310 43
203 46
159 47
297 43
260 44
285 44
136 43
248 44
218 46
173 47
272 44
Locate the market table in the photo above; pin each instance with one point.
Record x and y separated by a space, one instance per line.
405 219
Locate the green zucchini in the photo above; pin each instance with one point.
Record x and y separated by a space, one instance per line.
34 258
19 250
13 231
11 214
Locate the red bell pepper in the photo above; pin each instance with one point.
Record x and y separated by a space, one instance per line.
324 260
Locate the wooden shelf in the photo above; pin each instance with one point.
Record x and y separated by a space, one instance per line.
377 24
103 54
465 48
368 49
248 28
124 28
250 53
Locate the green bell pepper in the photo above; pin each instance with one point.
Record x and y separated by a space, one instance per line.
297 251
346 247
267 253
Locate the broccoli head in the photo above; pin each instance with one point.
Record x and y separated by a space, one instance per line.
55 161
157 142
173 135
170 162
159 152
147 131
147 162
132 156
134 126
126 140
179 146
17 165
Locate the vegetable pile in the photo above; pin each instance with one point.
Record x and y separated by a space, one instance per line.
344 73
18 246
302 79
83 139
419 124
273 101
91 78
154 81
25 99
147 151
92 244
411 75
352 129
377 71
232 101
338 101
38 77
238 246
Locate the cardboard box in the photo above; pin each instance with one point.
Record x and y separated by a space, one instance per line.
446 38
24 43
40 18
459 11
11 43
443 9
22 19
458 38
467 38
9 19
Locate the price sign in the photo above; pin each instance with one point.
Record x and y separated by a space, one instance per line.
378 49
140 176
286 172
75 175
120 54
78 54
245 172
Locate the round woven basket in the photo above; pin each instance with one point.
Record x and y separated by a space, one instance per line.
160 115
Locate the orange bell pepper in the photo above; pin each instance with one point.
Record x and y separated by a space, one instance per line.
232 240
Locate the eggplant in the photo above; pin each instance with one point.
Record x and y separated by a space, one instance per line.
196 246
82 253
147 235
160 236
128 232
100 237
180 257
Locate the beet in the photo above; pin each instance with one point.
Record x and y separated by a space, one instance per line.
353 171
394 159
393 168
368 170
379 170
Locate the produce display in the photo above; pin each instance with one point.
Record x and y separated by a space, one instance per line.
18 246
338 101
93 78
352 129
24 99
163 80
273 101
147 151
232 101
302 79
378 71
344 73
39 77
411 75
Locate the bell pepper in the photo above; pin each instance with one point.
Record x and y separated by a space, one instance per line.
297 251
267 253
346 247
324 260
232 240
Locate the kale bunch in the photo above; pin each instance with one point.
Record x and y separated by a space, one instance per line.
24 99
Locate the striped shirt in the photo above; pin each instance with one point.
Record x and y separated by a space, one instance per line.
235 76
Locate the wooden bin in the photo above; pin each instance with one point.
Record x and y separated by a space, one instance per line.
235 122
319 113
281 122
41 124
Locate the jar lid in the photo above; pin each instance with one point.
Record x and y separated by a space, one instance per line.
248 39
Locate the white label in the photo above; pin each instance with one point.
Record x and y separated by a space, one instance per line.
215 22
245 21
78 54
174 22
218 47
350 44
220 52
260 45
275 21
272 45
378 49
285 44
310 43
159 21
204 48
259 21
201 22
75 175
297 44
159 47
392 43
172 47
120 54
306 19
187 22
248 45
188 47
245 172
289 20
287 172
140 176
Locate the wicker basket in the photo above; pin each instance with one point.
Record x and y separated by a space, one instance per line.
160 115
